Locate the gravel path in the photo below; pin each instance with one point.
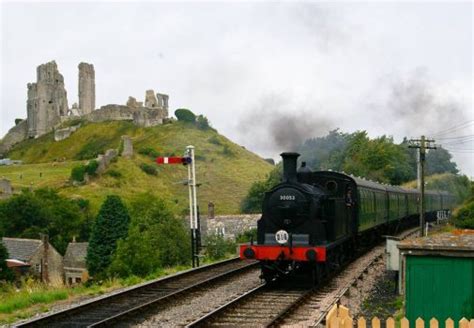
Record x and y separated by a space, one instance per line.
195 305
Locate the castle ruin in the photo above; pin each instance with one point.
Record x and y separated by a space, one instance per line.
86 88
47 107
47 100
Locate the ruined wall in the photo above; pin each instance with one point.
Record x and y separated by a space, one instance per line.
86 88
15 135
147 117
111 113
47 100
6 189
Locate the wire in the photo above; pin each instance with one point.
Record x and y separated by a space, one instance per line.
453 128
460 137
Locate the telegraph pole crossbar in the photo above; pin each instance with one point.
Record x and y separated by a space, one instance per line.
422 144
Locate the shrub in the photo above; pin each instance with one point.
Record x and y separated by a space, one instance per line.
78 172
214 140
92 148
227 151
149 169
185 115
218 247
156 239
202 123
247 236
114 173
150 152
91 167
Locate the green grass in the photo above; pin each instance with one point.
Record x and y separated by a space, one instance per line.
224 169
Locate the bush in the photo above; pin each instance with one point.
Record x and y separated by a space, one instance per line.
218 247
214 140
149 169
156 239
91 167
227 151
465 216
150 152
202 123
78 172
92 148
114 173
247 236
185 115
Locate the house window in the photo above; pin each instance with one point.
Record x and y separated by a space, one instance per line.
69 281
38 267
78 280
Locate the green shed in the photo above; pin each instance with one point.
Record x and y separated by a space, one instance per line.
438 276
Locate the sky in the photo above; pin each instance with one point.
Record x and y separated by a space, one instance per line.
267 74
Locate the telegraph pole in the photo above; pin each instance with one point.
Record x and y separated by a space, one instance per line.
422 144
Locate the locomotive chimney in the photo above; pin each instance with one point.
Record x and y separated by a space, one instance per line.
289 166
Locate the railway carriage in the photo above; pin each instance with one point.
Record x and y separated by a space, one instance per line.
314 221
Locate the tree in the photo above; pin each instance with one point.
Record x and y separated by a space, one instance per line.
43 211
439 161
110 226
156 239
5 272
185 115
252 203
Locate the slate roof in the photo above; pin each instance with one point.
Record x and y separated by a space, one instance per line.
21 249
75 256
458 240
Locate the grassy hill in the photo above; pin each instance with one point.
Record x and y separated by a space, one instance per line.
225 169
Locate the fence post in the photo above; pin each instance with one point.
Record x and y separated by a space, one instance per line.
463 323
361 323
390 322
404 323
434 323
375 322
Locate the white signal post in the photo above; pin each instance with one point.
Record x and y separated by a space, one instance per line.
193 213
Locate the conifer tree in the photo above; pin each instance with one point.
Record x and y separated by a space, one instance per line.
110 226
5 272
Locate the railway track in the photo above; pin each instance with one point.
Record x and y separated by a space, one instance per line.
114 308
285 305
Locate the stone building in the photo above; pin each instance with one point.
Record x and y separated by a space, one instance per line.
37 257
75 270
47 100
86 88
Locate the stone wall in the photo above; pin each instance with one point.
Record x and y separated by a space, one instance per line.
86 88
147 117
104 160
15 135
61 134
111 113
47 100
231 225
127 147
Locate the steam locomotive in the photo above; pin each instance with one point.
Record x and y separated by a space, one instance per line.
313 222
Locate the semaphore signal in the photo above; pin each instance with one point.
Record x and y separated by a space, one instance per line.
188 158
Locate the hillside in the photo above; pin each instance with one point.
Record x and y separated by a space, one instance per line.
225 169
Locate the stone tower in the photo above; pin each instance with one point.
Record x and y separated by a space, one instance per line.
86 88
47 100
150 99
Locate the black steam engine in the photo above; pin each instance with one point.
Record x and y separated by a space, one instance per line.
314 221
